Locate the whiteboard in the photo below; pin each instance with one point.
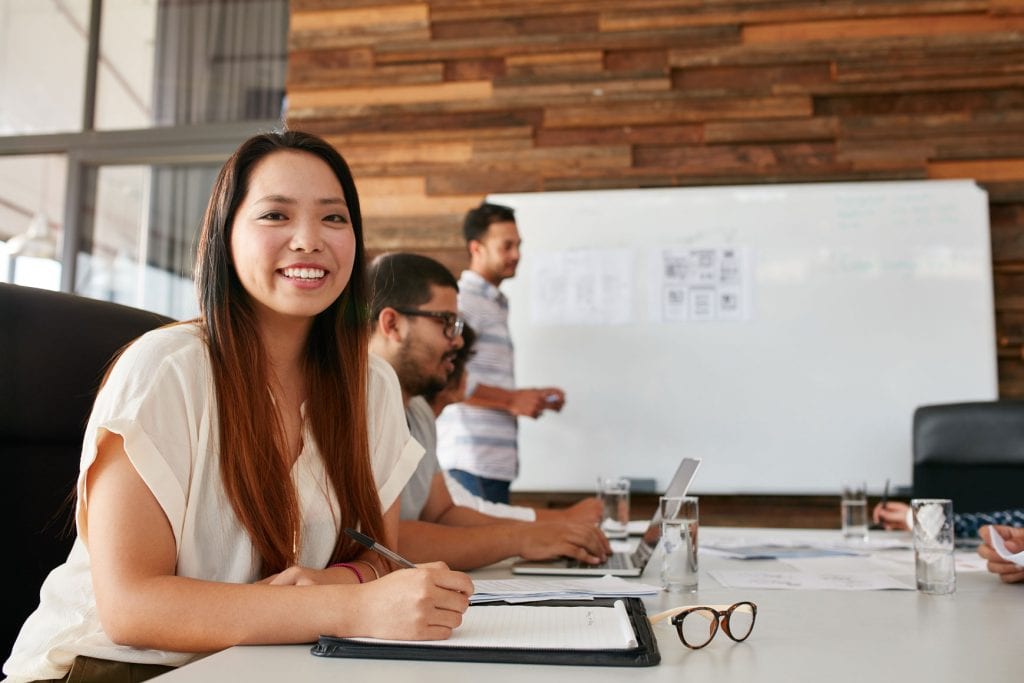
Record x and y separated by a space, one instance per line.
856 303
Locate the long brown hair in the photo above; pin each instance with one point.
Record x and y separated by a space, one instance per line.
254 466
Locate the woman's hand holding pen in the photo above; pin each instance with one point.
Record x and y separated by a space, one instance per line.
425 603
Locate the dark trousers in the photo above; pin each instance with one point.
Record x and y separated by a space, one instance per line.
93 670
494 490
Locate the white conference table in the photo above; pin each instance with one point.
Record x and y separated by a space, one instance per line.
800 635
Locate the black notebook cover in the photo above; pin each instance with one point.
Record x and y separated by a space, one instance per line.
645 654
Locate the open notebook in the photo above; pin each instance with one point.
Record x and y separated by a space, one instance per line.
621 564
601 632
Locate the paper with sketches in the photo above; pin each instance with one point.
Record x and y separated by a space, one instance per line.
699 284
581 287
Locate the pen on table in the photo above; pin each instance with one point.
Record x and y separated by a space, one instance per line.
365 540
882 503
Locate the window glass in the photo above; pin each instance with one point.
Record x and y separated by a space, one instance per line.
32 219
139 236
43 48
179 62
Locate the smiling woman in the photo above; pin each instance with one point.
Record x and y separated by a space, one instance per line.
208 467
292 239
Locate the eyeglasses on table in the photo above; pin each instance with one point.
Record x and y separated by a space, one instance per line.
698 624
453 324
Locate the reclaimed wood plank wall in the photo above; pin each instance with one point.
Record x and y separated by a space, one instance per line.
436 103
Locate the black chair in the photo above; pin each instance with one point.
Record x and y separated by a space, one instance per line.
972 453
54 349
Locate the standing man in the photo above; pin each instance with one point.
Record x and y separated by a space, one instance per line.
477 439
416 329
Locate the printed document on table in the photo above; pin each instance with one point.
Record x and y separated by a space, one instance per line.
810 581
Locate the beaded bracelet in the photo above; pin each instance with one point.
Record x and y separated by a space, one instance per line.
348 565
376 574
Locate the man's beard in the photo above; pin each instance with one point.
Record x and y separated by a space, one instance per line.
413 379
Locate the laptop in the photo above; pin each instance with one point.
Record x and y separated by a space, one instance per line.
620 564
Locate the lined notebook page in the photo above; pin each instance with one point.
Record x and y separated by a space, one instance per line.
540 627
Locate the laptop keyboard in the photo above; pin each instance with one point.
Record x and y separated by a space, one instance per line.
614 561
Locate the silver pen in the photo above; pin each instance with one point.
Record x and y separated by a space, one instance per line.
365 540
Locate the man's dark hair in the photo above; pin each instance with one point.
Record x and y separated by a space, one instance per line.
479 219
403 280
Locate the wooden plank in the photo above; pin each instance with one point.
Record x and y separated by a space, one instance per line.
433 231
378 197
382 17
407 136
778 12
345 77
554 158
950 61
597 86
404 153
924 124
335 39
560 24
775 130
1007 222
712 160
442 92
931 102
923 85
636 60
980 169
805 31
1000 7
472 9
472 48
673 109
749 78
392 112
302 61
689 133
555 63
406 123
829 50
1003 191
659 177
314 5
474 69
463 182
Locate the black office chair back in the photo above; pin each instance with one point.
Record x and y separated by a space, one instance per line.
54 349
971 452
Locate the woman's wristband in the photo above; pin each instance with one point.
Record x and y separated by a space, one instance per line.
376 574
351 567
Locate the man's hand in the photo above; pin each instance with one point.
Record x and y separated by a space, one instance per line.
548 540
1013 538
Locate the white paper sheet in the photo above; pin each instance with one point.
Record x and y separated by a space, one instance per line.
810 581
531 590
1000 547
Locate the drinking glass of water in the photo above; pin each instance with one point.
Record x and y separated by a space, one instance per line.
933 545
854 511
614 495
679 526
